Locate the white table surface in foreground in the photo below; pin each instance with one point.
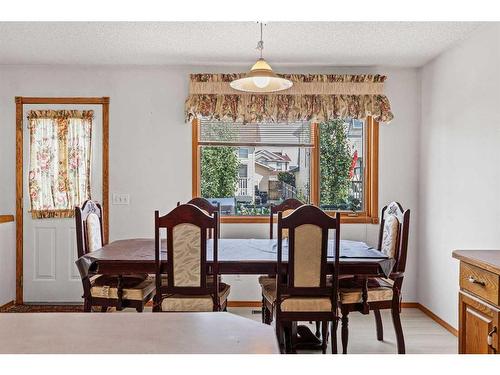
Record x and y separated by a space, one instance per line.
214 332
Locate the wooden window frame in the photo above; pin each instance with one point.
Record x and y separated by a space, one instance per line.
370 190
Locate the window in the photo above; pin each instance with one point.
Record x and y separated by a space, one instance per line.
243 153
60 158
243 171
246 167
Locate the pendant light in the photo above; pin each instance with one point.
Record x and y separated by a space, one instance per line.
261 77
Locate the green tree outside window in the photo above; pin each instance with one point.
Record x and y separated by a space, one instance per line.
335 162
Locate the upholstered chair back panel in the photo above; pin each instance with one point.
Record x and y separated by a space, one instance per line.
307 256
93 232
285 214
186 240
390 236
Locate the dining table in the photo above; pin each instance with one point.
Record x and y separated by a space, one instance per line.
241 256
237 256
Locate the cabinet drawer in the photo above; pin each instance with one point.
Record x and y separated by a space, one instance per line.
482 283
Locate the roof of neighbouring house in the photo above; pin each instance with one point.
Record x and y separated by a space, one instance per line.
272 156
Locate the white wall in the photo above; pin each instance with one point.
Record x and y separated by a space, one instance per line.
7 262
458 171
150 145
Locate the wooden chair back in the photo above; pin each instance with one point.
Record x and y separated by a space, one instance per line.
306 275
94 211
186 227
402 216
287 204
207 206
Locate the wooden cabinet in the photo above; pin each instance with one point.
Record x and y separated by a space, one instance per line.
479 299
478 326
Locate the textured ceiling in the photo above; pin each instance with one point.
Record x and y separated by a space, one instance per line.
409 44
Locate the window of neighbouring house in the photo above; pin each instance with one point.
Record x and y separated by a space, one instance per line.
243 153
60 160
248 167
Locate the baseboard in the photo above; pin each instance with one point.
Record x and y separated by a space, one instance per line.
7 305
437 319
410 305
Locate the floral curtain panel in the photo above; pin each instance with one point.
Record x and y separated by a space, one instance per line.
60 160
314 97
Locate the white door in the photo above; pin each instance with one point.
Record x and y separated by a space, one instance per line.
50 273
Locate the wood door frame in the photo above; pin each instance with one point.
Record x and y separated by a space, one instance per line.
20 102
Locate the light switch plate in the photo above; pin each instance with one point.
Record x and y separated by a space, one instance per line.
123 199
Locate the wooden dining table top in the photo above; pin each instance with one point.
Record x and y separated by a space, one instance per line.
235 256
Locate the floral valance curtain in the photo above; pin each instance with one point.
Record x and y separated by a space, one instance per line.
60 160
313 97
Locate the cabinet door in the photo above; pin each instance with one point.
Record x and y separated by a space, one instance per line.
478 326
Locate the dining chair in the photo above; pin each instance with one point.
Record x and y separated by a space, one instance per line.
206 206
188 286
287 207
375 294
300 291
106 291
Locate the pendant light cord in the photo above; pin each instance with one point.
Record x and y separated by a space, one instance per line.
260 44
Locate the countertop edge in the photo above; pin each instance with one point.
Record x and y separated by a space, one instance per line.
478 262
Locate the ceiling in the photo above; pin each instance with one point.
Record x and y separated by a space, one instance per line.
406 44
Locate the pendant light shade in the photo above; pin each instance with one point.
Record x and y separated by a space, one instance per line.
261 77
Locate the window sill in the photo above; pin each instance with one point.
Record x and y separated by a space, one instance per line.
345 219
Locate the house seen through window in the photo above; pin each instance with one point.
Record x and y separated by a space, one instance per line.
247 167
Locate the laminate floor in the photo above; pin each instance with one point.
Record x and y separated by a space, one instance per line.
422 334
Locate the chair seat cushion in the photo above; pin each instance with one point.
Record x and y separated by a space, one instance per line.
135 287
379 289
178 302
295 304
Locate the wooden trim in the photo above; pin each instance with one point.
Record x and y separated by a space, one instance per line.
195 162
77 100
6 218
20 101
7 305
409 305
105 168
438 320
19 200
244 219
372 201
315 172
